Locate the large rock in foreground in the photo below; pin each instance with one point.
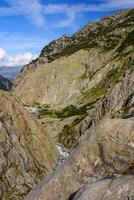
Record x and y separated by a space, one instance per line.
121 188
26 152
107 150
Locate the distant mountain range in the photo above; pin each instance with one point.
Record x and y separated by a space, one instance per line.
10 72
5 84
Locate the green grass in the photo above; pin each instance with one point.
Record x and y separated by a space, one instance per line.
116 74
94 93
10 93
112 77
66 112
91 97
121 113
67 135
69 50
129 41
36 104
86 74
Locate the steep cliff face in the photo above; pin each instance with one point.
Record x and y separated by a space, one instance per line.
65 65
26 152
5 84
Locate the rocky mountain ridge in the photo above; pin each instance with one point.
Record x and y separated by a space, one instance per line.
86 37
90 48
75 84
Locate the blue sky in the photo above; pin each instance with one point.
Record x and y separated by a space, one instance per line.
26 26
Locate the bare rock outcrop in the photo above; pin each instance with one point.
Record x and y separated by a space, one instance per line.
106 151
121 188
27 154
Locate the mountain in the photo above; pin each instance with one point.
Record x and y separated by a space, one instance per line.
5 84
27 154
78 80
81 89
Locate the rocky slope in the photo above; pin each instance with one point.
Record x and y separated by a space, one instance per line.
106 151
5 84
118 188
78 80
27 154
65 65
81 88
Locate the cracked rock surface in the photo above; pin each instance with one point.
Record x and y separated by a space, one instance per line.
107 150
27 154
121 188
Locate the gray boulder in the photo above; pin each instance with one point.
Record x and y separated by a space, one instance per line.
121 188
107 150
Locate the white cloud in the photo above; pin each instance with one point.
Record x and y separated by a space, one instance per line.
18 60
31 9
72 11
35 11
2 53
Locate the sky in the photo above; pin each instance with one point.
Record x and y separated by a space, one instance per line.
26 26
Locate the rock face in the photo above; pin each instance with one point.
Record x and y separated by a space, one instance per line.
106 151
108 189
5 84
78 80
26 152
81 88
65 66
